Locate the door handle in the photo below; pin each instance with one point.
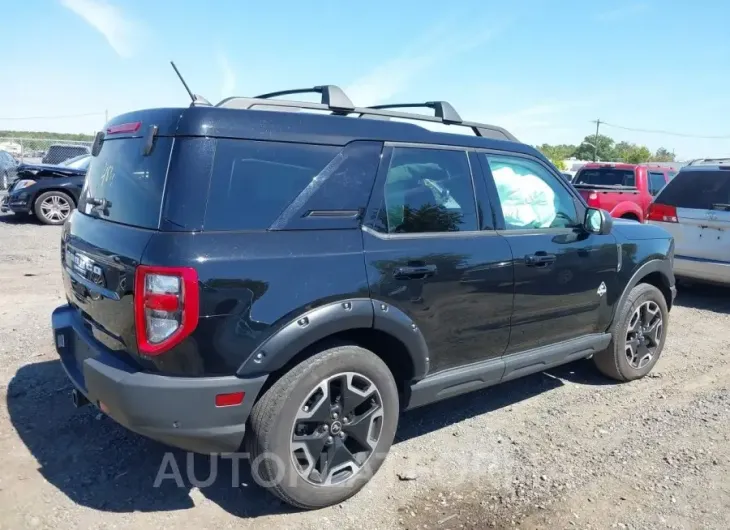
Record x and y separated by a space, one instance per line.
418 272
540 259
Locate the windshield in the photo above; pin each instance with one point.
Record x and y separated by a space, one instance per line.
79 162
606 176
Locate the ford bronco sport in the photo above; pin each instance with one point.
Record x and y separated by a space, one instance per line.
247 276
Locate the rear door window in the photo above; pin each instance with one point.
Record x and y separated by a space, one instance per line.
606 176
428 190
656 182
123 185
253 181
699 190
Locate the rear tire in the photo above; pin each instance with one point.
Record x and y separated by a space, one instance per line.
53 207
638 337
303 430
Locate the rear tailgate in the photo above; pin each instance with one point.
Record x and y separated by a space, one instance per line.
104 240
702 202
605 187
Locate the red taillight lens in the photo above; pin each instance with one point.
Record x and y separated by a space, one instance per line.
663 213
166 306
592 198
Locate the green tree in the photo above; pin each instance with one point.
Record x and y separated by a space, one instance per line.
557 152
587 149
663 155
639 154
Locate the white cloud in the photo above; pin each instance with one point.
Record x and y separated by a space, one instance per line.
228 81
396 74
121 33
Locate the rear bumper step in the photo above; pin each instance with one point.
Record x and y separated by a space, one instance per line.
178 411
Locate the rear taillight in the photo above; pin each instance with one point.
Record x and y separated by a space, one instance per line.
592 198
166 306
663 213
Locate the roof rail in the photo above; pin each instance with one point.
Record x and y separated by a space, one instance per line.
442 109
335 101
332 96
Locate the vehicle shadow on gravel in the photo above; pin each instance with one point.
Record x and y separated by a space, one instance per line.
704 296
12 219
99 464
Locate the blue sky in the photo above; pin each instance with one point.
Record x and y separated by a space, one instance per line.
543 69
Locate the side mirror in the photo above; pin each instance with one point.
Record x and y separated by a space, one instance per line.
598 222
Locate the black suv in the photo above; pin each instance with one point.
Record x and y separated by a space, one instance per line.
250 275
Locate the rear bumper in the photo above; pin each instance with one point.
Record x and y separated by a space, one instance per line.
178 411
702 269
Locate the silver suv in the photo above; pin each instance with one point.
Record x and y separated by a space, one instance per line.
695 208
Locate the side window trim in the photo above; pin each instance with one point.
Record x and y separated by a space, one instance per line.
579 203
371 223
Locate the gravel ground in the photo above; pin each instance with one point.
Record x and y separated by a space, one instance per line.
563 449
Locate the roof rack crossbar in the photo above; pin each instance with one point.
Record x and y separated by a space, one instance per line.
479 129
332 96
442 109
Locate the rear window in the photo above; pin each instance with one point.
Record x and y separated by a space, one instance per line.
253 181
60 153
123 185
606 176
698 190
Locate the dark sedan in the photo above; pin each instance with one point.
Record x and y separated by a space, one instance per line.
50 192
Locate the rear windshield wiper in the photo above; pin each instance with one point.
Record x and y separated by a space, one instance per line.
99 204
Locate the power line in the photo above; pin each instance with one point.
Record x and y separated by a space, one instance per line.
54 117
668 133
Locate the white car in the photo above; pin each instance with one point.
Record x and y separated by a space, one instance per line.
695 208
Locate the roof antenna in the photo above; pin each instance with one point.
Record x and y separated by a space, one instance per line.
196 99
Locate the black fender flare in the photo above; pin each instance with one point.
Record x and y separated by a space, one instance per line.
329 319
662 266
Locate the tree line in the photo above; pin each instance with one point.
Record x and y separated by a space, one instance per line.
604 149
47 135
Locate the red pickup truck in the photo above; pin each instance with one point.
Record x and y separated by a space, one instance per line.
624 190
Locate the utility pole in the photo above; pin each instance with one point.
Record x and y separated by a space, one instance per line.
595 142
106 116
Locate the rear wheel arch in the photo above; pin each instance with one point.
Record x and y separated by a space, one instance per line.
389 333
624 209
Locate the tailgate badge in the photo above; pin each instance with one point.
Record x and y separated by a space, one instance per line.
601 289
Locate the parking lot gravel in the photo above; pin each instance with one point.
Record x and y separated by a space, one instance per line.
562 449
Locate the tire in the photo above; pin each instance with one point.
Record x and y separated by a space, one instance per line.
53 207
273 425
619 360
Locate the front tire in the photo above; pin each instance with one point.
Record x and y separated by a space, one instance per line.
638 336
318 435
53 207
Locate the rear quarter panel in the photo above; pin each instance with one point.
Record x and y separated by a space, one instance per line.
252 284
